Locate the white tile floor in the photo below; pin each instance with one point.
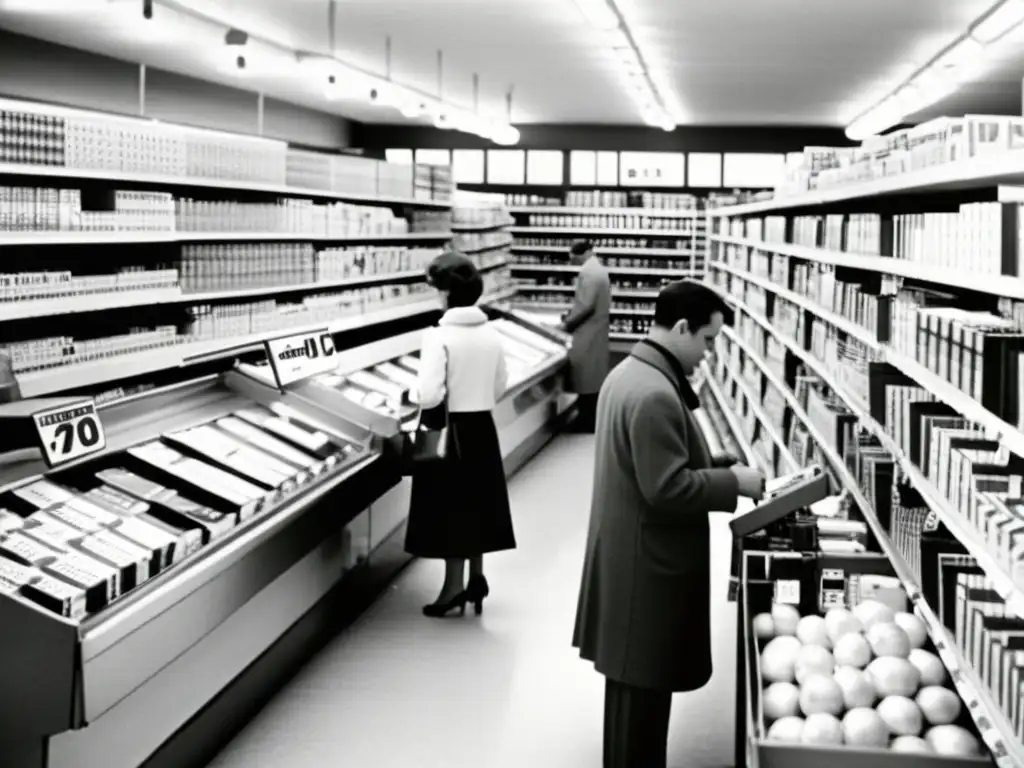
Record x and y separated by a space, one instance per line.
502 690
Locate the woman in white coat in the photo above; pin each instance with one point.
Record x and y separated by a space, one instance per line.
459 509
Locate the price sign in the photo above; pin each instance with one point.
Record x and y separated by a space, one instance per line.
69 431
293 358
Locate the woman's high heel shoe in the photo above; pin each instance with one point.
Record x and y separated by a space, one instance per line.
476 591
440 610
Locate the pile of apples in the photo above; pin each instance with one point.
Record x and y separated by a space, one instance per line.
861 678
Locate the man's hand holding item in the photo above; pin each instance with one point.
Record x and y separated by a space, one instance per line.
724 461
750 481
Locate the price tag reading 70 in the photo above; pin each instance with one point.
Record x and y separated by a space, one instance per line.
68 432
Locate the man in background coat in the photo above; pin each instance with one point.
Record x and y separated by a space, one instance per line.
643 615
588 322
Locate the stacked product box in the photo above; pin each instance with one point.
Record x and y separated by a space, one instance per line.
42 286
422 182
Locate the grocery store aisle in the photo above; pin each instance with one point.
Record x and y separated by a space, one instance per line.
499 691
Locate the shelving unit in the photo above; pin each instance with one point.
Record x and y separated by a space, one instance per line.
791 269
642 247
184 253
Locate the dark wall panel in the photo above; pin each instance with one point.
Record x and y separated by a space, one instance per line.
177 99
290 122
40 71
611 137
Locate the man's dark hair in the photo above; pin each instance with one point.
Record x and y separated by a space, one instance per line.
458 277
690 301
580 247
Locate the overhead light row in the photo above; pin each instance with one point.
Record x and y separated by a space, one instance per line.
956 65
248 56
604 16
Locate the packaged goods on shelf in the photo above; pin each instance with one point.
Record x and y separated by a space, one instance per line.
430 221
41 354
288 216
476 242
673 201
602 244
37 209
37 286
647 222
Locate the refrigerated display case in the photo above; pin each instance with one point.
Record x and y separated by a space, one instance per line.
139 583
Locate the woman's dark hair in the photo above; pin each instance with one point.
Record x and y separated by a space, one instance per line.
690 301
458 277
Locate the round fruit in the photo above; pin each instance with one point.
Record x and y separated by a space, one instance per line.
839 622
852 650
939 705
778 659
811 630
780 700
901 715
821 694
928 664
893 677
886 639
914 627
862 727
872 612
952 740
813 660
786 617
822 729
788 729
764 627
911 744
858 690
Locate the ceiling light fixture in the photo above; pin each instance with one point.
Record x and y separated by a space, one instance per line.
956 64
1000 22
617 37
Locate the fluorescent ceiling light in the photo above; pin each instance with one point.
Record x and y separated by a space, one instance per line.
53 6
1001 21
964 53
599 14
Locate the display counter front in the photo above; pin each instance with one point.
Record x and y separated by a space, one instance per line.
126 572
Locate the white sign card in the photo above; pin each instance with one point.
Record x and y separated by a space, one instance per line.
294 358
69 431
652 169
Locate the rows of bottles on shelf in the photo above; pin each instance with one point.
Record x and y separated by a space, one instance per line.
81 538
915 453
612 198
645 219
978 351
972 238
933 143
978 620
58 137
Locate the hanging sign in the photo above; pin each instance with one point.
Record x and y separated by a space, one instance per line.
293 358
69 431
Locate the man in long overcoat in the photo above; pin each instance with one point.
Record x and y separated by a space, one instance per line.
588 321
643 616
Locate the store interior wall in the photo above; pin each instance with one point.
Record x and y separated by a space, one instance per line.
42 71
376 138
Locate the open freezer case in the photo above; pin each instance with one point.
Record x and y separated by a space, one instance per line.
137 582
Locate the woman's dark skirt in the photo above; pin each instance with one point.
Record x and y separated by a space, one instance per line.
460 506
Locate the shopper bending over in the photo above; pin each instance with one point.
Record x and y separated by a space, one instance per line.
588 321
643 615
460 509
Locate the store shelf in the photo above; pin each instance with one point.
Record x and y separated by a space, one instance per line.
997 285
653 234
762 417
326 285
992 723
611 270
1004 583
484 248
667 213
729 413
155 180
468 227
10 239
1009 435
69 305
972 173
643 252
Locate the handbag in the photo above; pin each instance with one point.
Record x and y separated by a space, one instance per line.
432 441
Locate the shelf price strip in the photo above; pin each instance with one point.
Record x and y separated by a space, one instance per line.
69 431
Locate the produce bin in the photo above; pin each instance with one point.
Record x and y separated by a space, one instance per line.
804 577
